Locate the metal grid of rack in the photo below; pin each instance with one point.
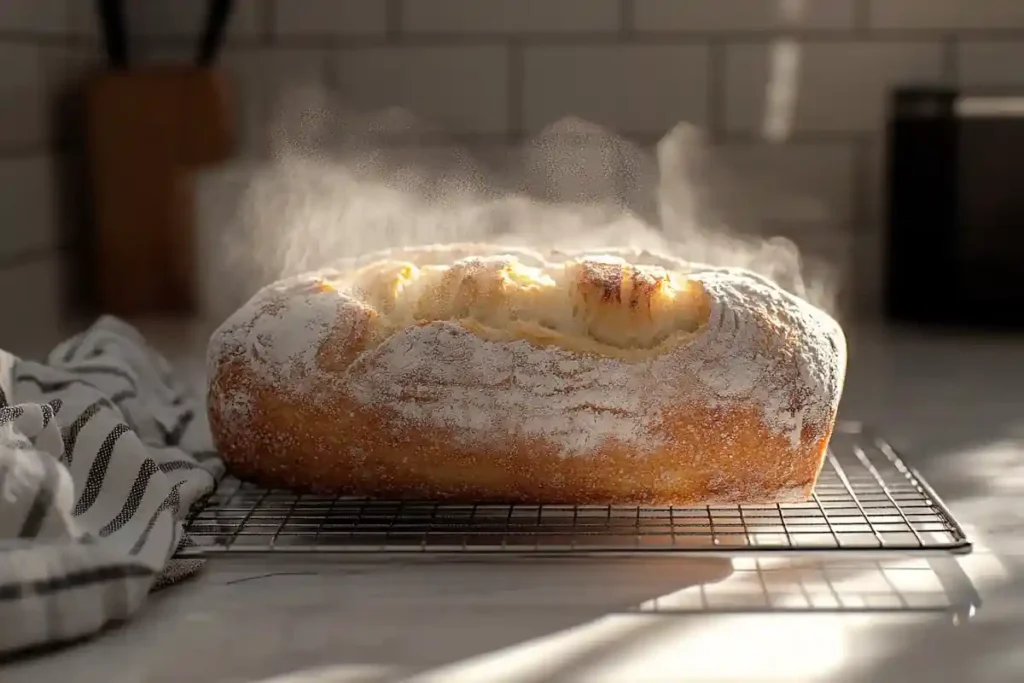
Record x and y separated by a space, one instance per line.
866 499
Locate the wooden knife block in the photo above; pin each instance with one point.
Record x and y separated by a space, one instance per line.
148 131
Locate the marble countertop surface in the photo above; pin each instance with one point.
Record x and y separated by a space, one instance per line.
954 405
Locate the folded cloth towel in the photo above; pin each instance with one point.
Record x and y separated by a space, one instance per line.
102 454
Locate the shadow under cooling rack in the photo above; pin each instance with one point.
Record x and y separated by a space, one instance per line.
891 583
866 499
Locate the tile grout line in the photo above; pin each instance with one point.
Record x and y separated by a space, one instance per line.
627 18
716 91
35 255
74 38
516 90
266 19
863 150
396 35
951 59
392 20
868 212
737 137
862 16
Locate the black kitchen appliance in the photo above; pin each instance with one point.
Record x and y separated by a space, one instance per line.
955 252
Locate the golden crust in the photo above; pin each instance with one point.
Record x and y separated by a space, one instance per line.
387 415
343 447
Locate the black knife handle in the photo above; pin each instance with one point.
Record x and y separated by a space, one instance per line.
115 37
218 13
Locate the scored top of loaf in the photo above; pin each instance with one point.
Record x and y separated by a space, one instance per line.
620 321
604 305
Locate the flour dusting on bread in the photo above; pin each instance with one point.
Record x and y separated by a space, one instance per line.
489 357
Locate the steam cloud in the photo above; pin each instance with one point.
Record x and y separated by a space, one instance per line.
344 183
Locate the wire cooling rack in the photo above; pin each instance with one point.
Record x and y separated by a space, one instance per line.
866 498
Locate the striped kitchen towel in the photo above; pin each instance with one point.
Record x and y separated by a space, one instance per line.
102 454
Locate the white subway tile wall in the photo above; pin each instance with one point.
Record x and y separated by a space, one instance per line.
463 89
743 15
634 89
28 202
984 64
23 97
305 18
793 92
510 16
946 14
265 80
185 18
839 87
44 17
34 319
45 51
801 184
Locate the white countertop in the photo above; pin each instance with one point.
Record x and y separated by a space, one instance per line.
953 405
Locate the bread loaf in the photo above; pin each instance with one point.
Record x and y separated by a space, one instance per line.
477 373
